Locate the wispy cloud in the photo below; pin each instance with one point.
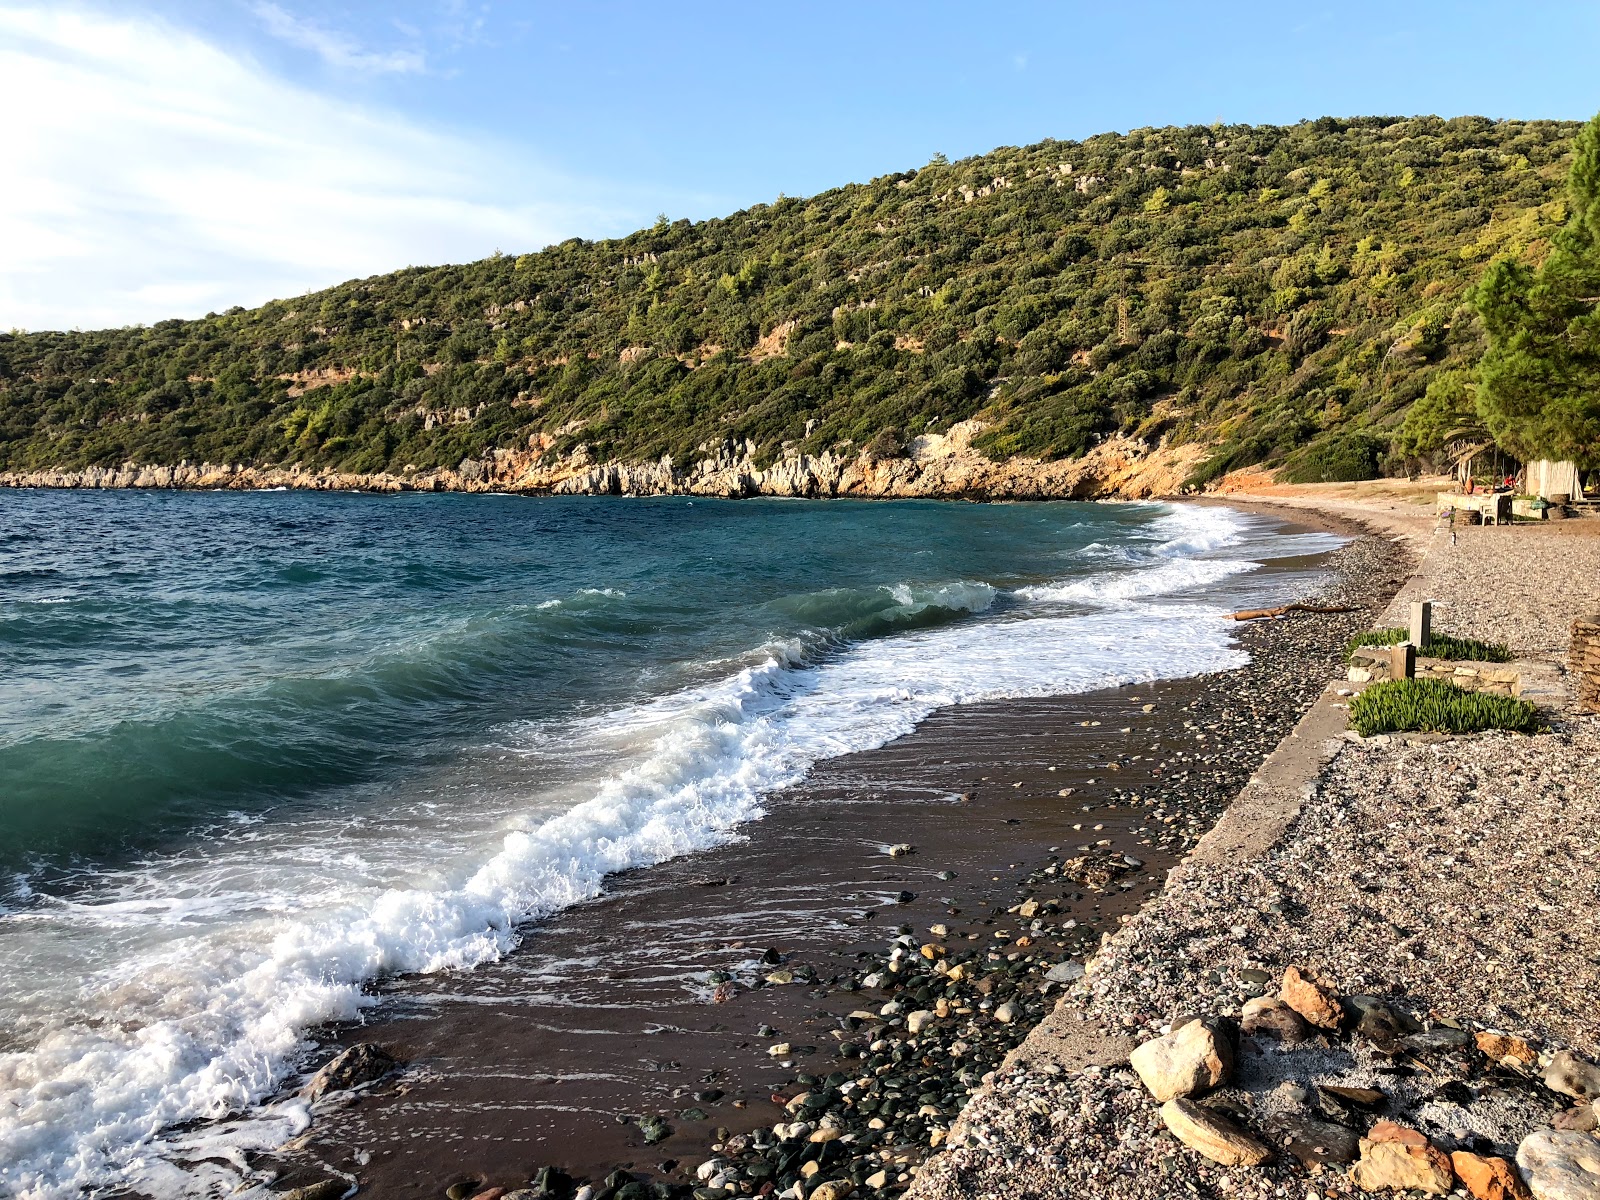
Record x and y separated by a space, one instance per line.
334 48
151 173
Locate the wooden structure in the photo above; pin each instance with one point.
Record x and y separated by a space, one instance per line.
1584 661
1558 481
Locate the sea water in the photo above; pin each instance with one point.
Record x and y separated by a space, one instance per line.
259 750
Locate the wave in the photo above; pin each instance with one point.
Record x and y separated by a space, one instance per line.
218 961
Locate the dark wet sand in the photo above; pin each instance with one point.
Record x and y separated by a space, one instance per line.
603 1010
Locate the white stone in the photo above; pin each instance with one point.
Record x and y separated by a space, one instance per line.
1560 1165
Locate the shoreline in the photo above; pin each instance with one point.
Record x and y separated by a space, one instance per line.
1346 856
934 467
387 1113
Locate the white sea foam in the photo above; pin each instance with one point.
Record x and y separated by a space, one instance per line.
211 967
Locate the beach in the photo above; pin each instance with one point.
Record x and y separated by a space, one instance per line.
1004 840
1454 880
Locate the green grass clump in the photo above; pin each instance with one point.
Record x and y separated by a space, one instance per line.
1375 637
1432 706
1441 645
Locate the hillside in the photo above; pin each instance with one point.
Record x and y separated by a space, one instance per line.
1255 294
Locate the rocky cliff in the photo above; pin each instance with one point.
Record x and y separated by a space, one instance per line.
933 466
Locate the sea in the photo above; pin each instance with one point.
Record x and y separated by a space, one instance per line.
261 751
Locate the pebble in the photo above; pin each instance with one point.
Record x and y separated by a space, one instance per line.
1311 998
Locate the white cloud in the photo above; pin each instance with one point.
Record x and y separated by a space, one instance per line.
151 174
335 49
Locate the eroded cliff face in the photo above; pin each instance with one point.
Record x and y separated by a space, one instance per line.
942 466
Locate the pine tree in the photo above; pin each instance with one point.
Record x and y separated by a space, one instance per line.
1539 381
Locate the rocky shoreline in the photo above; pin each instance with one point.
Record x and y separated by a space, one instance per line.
1380 968
933 466
867 1088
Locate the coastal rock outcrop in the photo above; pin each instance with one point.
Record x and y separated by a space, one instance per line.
946 466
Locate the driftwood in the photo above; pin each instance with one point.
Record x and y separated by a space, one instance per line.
1251 614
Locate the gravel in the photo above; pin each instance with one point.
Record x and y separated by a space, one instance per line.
1458 879
1519 585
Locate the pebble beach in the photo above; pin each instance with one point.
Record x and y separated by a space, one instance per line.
1442 892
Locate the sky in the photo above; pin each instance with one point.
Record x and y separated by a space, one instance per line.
169 158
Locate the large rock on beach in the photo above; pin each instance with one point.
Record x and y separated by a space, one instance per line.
1266 1016
1572 1076
1394 1158
1212 1135
361 1063
1194 1058
1560 1165
1487 1178
1312 998
1315 1143
1506 1048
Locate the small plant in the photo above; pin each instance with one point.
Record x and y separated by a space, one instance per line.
1374 637
1433 706
1440 645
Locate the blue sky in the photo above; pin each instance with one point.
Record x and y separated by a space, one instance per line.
177 156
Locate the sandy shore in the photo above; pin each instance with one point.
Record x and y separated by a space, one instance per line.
1456 881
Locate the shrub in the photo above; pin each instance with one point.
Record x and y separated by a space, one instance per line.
1432 706
1346 459
1440 645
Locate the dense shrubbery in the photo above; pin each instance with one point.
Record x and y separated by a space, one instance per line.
1539 393
1440 645
1432 706
1275 289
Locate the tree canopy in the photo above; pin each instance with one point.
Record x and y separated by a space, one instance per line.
1283 294
1539 381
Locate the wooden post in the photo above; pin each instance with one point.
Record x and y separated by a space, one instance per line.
1421 623
1403 661
1584 661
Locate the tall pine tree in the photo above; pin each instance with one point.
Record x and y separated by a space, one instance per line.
1539 381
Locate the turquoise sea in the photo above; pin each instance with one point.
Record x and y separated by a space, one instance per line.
258 750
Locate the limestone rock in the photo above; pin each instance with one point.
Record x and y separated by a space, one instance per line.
1193 1058
1582 1117
361 1063
1268 1017
1007 1013
917 1021
1572 1076
1212 1135
1394 1158
1560 1165
1501 1046
1488 1178
1313 999
834 1189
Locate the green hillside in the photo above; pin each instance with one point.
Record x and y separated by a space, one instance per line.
1286 293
